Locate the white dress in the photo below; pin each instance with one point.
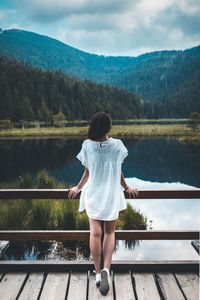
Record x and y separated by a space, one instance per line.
102 196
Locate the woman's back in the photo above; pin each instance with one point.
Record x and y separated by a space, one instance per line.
102 195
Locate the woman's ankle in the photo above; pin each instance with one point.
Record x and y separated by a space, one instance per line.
106 268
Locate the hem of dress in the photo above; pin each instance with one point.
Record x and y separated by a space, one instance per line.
103 219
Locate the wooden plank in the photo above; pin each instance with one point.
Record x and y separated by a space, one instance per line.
169 286
10 285
55 286
63 194
77 286
17 235
123 286
189 283
145 286
1 275
196 245
167 194
35 194
32 287
119 266
3 247
94 292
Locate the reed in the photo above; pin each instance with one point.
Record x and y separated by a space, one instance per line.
47 214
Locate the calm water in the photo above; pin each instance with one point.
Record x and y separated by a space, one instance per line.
151 164
155 160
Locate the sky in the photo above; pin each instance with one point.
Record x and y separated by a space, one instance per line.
109 27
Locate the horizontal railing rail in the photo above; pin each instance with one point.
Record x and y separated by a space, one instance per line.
60 266
63 194
83 266
19 235
10 235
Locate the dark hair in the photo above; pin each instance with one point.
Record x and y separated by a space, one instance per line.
100 125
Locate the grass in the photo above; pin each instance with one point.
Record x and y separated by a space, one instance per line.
152 130
58 215
38 132
48 214
182 131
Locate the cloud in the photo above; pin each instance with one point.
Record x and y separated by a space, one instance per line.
157 250
9 19
6 13
149 10
94 40
2 15
189 7
98 22
167 214
51 10
114 27
164 212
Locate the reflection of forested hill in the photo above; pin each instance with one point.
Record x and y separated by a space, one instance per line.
168 77
32 155
149 159
163 160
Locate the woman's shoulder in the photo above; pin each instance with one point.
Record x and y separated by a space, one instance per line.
85 143
117 142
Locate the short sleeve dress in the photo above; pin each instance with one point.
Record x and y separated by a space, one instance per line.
102 196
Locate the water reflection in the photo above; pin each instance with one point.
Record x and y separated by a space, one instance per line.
157 250
19 157
171 214
163 160
43 250
153 159
166 214
159 163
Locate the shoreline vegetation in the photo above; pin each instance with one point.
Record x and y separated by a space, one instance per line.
184 132
48 214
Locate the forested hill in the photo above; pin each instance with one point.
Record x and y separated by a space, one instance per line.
169 77
29 93
45 52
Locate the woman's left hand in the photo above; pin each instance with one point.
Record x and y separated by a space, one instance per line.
133 193
73 192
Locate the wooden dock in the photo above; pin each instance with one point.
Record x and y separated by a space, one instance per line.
81 286
135 280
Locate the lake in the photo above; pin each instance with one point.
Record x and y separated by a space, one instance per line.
152 163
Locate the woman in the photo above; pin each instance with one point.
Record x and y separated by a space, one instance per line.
102 194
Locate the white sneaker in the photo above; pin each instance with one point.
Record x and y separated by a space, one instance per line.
98 279
105 281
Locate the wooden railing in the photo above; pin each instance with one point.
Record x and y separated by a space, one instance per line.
16 235
63 194
84 234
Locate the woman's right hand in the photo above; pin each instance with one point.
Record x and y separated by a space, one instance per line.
73 192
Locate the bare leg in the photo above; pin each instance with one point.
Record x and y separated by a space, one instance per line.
95 243
108 242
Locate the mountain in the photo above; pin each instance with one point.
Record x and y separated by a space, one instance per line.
164 75
169 78
45 52
29 93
